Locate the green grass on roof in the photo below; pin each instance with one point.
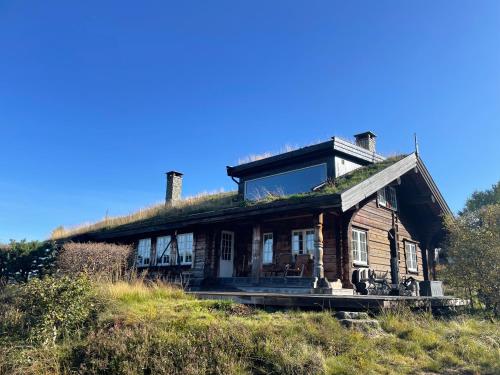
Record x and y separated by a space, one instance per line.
219 201
353 178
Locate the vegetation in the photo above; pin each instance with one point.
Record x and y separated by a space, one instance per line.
101 261
473 250
158 329
20 260
214 202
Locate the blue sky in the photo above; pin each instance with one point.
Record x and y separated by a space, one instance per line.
99 98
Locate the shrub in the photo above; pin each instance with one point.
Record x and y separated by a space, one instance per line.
43 311
21 260
102 261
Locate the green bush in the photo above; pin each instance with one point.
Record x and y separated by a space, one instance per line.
22 260
43 311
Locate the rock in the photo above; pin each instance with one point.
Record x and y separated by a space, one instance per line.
360 323
344 315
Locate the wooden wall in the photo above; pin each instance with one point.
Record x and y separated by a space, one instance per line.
378 222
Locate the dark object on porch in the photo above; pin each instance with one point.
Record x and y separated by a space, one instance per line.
301 267
431 288
370 282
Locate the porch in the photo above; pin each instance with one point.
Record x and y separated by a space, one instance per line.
374 303
294 254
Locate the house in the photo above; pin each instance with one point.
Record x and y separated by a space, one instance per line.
320 216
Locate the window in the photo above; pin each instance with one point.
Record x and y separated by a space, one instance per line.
226 245
303 241
185 247
387 198
359 247
267 250
411 256
144 252
162 252
291 182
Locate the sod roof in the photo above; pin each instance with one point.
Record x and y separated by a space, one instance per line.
221 203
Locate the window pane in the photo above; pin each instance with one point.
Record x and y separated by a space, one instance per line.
292 182
162 252
297 242
268 248
310 241
359 246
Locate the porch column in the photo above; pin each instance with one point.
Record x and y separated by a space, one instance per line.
320 282
319 271
256 252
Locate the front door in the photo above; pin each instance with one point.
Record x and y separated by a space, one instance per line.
226 260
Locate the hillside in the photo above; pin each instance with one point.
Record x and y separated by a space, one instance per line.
135 329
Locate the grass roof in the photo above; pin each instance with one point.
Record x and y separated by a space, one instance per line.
219 201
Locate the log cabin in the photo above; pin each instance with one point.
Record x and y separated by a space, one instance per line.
311 218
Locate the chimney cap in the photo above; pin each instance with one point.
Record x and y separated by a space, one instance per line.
367 133
174 173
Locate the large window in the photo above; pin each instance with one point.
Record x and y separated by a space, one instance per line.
144 252
303 241
359 247
267 250
292 182
185 246
411 256
163 249
387 198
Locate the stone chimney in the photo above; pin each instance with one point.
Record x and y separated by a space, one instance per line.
366 140
174 187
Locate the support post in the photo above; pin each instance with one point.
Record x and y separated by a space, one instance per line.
256 252
319 271
320 282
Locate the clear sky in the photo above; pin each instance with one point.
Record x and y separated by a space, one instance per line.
99 98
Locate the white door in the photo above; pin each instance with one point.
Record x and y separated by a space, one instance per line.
226 260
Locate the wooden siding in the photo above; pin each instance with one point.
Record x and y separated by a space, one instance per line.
377 221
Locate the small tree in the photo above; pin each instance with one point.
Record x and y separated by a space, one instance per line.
473 252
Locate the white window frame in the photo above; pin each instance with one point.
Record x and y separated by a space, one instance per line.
386 197
307 245
185 247
411 256
144 252
161 242
357 246
267 248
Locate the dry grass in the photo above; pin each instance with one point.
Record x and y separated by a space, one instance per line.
158 329
203 202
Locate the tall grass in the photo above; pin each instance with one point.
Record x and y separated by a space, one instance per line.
158 329
200 203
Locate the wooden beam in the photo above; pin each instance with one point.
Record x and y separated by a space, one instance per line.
256 252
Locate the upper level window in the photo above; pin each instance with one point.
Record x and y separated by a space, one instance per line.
303 241
411 256
292 182
144 252
359 247
163 249
267 248
387 198
185 247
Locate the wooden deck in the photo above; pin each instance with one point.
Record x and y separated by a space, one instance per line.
336 302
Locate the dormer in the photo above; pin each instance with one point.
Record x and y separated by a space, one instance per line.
302 170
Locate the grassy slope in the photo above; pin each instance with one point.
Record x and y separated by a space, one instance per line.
162 330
